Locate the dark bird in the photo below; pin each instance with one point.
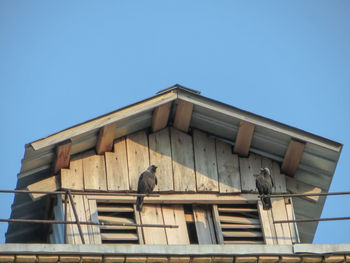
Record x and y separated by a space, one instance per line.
264 183
147 182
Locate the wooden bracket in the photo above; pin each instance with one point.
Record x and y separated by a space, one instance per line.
62 156
292 157
105 139
183 115
48 184
244 138
160 117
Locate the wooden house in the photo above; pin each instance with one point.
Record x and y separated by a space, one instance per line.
206 152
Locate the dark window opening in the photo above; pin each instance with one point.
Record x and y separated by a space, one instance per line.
191 227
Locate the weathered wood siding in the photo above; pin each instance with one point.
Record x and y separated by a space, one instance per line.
197 163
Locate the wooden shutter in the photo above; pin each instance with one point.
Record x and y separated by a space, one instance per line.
240 223
117 213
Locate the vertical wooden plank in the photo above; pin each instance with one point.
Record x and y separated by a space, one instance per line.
138 221
88 218
94 173
204 225
160 155
94 231
152 214
292 157
183 115
279 179
80 208
92 216
267 225
248 167
183 161
138 156
244 138
117 167
72 229
160 117
216 219
279 213
175 215
72 178
62 156
205 162
292 226
228 168
105 139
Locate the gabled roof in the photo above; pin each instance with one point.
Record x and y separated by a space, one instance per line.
270 139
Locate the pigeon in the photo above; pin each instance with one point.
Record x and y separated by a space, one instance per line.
264 183
147 182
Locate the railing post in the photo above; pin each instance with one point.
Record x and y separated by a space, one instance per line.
65 216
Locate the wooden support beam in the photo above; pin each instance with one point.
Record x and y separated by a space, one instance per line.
268 259
25 258
160 117
7 258
179 260
244 138
246 259
113 259
48 184
105 139
62 156
91 259
334 259
222 259
47 259
297 187
183 115
292 157
69 259
290 259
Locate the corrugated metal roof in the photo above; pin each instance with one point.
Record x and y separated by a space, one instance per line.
270 139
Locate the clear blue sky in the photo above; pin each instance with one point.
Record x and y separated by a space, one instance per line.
65 62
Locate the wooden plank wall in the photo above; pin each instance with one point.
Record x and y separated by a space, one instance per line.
186 163
197 163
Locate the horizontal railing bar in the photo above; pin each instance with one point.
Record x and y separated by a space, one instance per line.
306 194
76 192
111 193
153 194
44 221
310 220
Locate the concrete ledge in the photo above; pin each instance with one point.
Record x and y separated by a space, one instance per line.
322 248
146 250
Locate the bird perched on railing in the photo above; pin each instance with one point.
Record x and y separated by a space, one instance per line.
264 183
147 182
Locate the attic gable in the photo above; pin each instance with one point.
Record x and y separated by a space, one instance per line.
312 167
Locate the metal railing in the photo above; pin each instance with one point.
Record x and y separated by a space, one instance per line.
68 195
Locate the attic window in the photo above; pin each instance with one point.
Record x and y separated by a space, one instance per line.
198 224
240 223
117 213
